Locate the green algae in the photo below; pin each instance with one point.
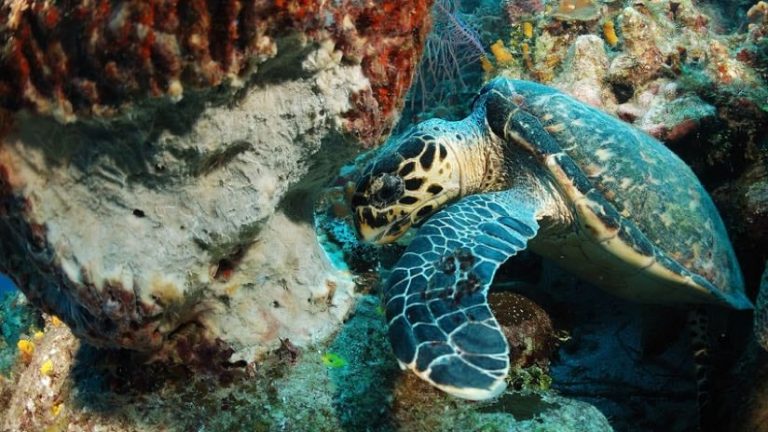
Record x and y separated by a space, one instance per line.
333 360
532 378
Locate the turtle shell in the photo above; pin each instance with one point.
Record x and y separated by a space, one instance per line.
647 187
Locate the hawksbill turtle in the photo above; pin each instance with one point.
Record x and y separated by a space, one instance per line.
531 167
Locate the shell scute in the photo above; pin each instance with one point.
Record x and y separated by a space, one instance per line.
649 192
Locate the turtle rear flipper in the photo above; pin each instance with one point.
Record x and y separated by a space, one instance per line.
440 325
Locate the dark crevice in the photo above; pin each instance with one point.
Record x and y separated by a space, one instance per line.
227 265
32 53
217 31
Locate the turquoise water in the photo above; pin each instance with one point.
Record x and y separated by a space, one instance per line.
5 284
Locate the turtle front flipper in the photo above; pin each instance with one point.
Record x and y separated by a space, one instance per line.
440 325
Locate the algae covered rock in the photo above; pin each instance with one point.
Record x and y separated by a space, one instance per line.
641 57
527 327
676 119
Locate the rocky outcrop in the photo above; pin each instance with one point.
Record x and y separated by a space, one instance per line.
159 161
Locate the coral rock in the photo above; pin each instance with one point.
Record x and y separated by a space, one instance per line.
94 57
758 13
673 120
527 327
584 73
641 58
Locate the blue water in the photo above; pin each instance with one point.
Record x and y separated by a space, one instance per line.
5 284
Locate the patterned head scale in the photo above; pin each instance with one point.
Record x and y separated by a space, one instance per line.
412 178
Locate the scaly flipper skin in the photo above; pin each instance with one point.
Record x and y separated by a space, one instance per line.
440 325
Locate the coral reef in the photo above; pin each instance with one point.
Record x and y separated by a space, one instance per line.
156 180
93 389
159 160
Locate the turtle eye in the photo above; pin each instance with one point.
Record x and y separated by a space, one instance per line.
386 188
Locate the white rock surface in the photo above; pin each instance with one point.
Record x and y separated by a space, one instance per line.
169 214
584 73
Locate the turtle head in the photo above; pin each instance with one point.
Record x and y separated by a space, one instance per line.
409 180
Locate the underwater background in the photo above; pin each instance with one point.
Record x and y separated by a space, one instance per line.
174 187
6 285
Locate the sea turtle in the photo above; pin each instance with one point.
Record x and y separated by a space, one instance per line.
531 166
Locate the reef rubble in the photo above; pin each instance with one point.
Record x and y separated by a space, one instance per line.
347 383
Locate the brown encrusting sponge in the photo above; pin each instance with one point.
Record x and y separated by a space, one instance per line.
93 57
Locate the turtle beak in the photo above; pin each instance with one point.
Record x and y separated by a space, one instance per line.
381 235
375 235
367 233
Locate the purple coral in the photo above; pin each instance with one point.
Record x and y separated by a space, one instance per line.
451 47
521 9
